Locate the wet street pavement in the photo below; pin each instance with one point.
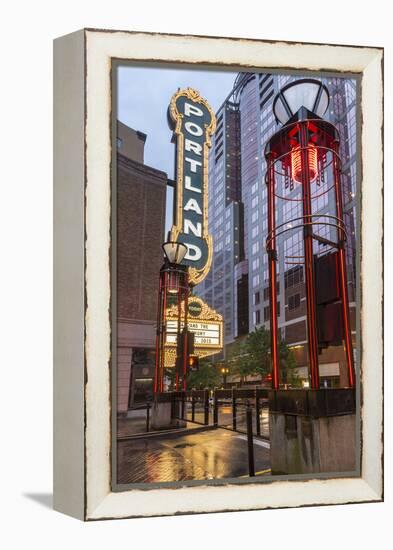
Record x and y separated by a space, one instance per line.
225 419
210 454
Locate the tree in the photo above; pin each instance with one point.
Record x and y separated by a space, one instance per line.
252 356
238 361
205 377
258 349
288 365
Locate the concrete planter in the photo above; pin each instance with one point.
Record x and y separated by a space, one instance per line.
165 416
312 431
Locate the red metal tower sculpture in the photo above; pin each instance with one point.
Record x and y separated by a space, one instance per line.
173 284
303 173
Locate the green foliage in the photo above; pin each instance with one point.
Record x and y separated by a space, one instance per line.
205 377
288 365
251 356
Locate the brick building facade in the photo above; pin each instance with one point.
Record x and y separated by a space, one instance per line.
141 200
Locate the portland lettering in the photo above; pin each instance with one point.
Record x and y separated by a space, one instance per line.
193 125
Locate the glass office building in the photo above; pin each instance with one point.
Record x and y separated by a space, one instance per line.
226 224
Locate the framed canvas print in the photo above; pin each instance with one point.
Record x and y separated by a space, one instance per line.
218 274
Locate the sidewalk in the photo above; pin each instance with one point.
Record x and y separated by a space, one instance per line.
211 454
135 424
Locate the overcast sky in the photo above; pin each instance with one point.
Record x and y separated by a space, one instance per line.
144 94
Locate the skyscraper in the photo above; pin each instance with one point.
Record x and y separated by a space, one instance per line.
220 289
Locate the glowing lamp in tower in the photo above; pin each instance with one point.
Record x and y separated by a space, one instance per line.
312 97
298 170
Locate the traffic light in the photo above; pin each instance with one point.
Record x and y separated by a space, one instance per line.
193 363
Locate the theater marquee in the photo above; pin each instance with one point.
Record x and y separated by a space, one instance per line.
203 321
193 123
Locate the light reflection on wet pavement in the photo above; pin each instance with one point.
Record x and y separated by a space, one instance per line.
211 454
225 419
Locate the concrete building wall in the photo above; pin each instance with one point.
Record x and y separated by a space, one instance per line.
130 142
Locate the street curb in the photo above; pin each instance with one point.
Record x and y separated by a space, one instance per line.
181 431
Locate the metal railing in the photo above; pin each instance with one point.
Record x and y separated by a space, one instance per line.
224 408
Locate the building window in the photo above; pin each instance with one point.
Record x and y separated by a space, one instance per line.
255 231
255 280
257 317
263 78
293 302
255 264
266 312
265 88
255 248
293 276
266 291
257 298
266 99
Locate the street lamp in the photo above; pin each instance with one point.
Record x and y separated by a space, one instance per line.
303 171
173 284
224 372
174 252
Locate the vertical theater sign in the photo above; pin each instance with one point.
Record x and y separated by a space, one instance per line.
193 123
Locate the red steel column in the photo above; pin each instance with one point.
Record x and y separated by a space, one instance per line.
163 332
309 259
158 337
342 269
186 351
272 258
178 337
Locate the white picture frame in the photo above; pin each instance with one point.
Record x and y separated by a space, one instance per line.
82 335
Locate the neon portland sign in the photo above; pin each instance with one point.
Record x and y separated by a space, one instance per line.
193 123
